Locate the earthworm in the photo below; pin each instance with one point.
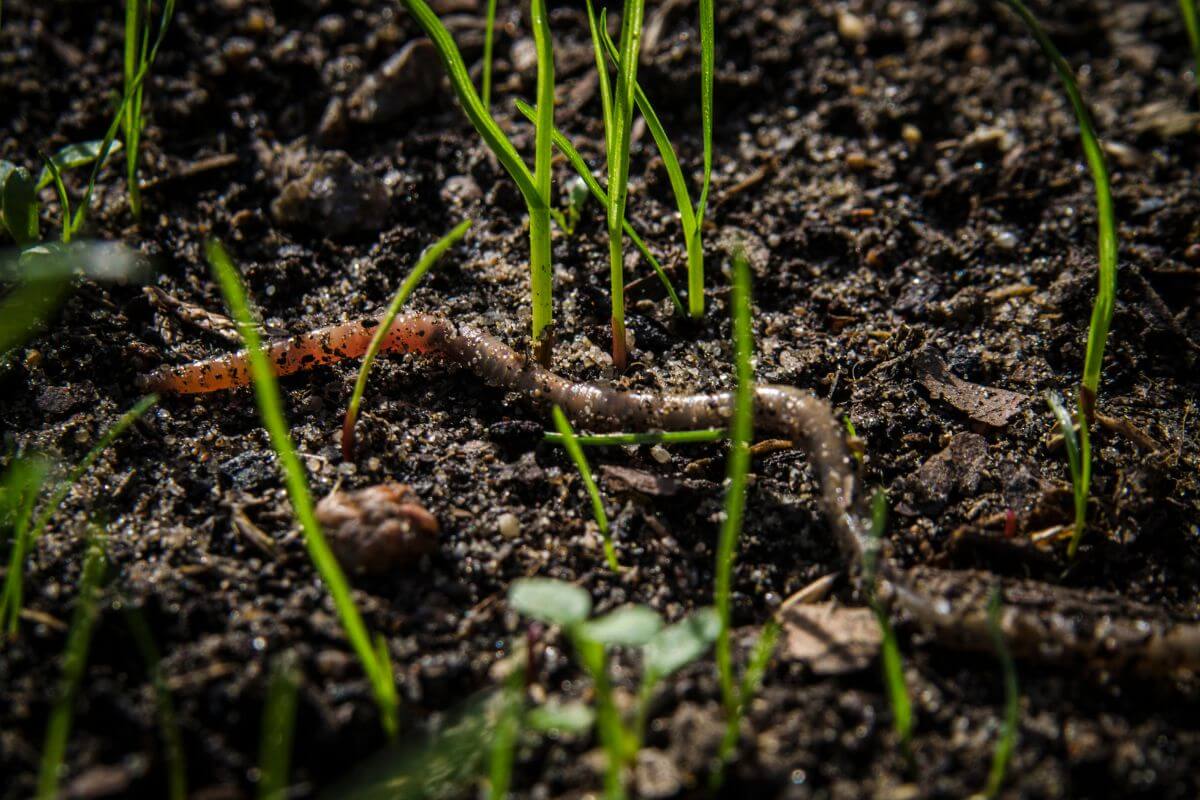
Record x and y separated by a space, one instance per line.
1089 635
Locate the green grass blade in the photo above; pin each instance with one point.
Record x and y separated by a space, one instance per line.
584 171
20 207
660 437
605 87
472 105
576 453
1078 447
892 661
687 213
707 48
1191 21
489 32
612 733
1102 310
27 533
270 406
79 638
1007 742
741 433
541 278
618 166
63 198
22 484
430 257
130 90
278 725
74 156
510 702
172 741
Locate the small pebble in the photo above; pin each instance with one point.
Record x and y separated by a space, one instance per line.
509 526
911 135
851 28
660 454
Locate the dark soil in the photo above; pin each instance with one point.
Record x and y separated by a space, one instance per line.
915 190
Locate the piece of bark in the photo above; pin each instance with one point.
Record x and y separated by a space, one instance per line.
984 404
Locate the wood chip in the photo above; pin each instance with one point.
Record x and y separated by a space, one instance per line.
981 403
831 639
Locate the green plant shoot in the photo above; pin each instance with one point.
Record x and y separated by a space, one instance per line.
1007 742
535 186
583 171
489 33
1191 21
430 257
278 725
79 639
741 433
270 406
893 663
567 436
1078 447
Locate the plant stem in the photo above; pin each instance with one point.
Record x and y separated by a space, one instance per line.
540 271
488 34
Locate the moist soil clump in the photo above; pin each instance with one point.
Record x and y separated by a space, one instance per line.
907 180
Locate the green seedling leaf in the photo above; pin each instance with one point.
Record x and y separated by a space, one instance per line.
1078 457
549 600
1007 742
74 156
628 626
20 207
430 257
278 725
576 453
678 645
561 718
270 408
6 167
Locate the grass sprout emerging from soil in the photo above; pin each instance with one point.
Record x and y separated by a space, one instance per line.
893 662
690 216
27 529
584 171
79 639
278 724
1008 731
1079 449
664 651
139 56
430 257
535 186
576 453
1102 310
618 121
374 658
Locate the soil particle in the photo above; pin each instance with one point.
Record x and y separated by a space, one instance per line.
405 82
379 529
335 195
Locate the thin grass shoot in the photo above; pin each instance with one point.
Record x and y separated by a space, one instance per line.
584 171
892 662
687 211
428 258
741 433
278 727
700 436
489 33
79 639
1078 446
27 532
534 186
567 437
1007 743
270 406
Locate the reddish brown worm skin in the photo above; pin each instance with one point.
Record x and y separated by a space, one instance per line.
1148 646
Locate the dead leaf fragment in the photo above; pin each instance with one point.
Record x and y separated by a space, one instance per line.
830 638
984 404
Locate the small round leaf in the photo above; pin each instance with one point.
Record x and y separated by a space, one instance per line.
631 626
678 645
548 600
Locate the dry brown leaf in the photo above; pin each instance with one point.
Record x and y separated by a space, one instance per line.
981 403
